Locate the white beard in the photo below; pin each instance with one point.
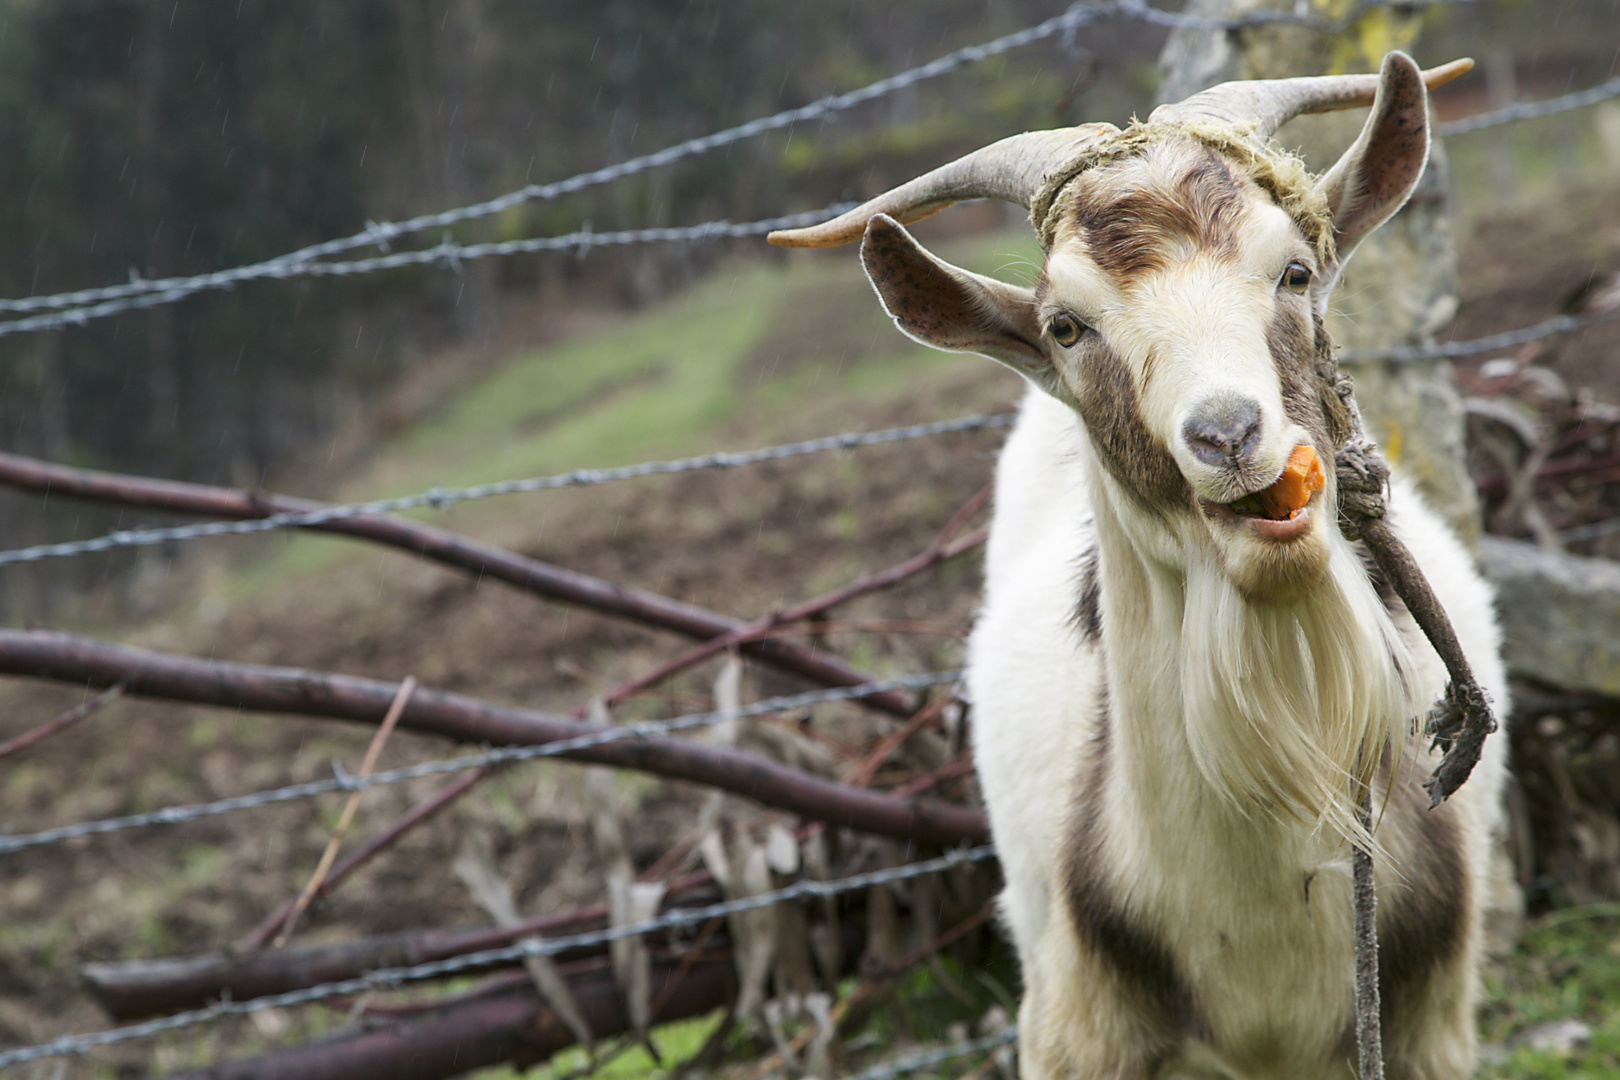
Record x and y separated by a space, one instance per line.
1288 705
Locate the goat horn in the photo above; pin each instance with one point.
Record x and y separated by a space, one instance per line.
1011 169
1271 103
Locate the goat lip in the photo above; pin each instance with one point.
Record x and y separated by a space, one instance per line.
1293 527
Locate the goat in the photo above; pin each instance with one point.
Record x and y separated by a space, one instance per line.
1178 685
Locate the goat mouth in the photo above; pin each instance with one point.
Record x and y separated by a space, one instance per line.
1280 511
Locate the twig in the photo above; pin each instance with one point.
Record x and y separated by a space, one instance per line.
83 709
861 775
368 763
941 550
961 766
357 858
693 955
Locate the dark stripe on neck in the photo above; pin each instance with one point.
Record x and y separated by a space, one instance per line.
1141 965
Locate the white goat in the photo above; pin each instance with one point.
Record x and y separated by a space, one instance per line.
1175 680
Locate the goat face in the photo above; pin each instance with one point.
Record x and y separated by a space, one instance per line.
1178 309
1175 315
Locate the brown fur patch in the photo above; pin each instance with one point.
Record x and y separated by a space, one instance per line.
1142 966
1088 611
1130 233
1107 402
1293 344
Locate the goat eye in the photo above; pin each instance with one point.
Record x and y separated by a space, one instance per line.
1065 329
1296 278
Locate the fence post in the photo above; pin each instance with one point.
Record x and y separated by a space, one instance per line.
1401 287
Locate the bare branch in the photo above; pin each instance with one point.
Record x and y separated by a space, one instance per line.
486 1030
88 707
363 854
318 878
445 547
131 989
257 688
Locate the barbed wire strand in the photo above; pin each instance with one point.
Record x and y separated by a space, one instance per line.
84 305
1507 339
924 1059
444 498
387 978
343 781
1530 110
440 498
447 253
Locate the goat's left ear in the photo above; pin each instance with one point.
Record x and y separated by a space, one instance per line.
1378 173
949 308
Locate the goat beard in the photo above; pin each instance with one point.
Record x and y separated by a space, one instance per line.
1289 705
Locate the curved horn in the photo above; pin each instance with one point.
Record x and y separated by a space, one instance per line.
1011 169
1271 103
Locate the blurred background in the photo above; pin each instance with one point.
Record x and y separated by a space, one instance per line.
146 139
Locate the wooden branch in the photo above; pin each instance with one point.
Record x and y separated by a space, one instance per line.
257 688
85 708
445 547
760 630
318 879
363 854
943 548
132 989
471 1034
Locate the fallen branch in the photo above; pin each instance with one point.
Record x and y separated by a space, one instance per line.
257 688
133 989
88 707
488 1030
441 546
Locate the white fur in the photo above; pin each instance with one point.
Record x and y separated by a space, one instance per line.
1204 854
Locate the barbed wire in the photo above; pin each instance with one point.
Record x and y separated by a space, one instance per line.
344 781
388 978
1454 350
80 306
448 253
1530 110
444 498
924 1059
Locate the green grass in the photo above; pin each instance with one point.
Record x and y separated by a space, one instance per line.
661 382
1567 967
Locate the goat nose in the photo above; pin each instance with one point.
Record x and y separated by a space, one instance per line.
1223 431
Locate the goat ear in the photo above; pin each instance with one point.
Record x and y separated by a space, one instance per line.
946 307
1378 173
